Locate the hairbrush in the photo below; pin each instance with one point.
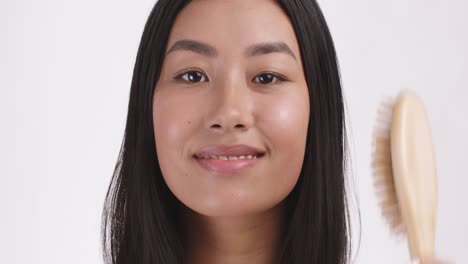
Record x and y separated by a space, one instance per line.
404 168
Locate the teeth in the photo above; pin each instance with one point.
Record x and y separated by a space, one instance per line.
221 157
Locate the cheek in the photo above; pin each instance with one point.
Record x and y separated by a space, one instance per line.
173 126
175 122
284 121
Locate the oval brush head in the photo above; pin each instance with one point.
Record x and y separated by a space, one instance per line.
405 172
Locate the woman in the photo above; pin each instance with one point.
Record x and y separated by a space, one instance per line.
235 143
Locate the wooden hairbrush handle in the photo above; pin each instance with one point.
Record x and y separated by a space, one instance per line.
414 172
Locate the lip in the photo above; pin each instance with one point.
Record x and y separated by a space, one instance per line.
228 166
229 150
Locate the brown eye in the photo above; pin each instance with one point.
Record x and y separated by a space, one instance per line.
266 78
192 76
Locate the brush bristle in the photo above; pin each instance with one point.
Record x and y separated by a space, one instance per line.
382 169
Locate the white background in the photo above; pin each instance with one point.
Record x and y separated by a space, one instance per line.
65 72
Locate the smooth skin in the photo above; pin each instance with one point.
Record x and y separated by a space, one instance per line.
231 92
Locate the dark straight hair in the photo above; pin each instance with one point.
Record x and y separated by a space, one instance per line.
141 222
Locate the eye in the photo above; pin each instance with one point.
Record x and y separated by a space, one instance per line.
192 76
266 78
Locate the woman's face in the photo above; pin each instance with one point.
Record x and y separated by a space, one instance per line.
231 107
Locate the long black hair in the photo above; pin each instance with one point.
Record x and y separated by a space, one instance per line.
141 222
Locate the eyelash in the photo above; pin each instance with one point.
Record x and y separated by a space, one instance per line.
275 75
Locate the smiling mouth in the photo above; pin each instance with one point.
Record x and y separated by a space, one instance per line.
230 157
228 164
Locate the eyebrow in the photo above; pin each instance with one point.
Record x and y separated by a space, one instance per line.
253 50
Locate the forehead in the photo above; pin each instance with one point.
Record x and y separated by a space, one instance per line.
232 25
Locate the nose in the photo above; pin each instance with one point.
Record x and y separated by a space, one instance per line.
231 108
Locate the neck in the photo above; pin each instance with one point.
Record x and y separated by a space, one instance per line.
233 239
